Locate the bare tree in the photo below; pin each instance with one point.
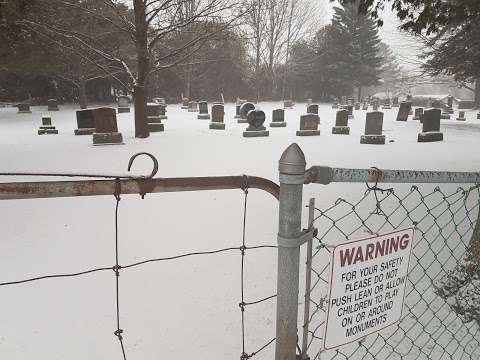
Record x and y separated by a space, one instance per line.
148 26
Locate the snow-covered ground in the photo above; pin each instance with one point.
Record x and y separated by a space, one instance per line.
186 308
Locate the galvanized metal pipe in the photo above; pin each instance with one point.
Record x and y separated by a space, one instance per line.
54 189
308 281
292 172
325 175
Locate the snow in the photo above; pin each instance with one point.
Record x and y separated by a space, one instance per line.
186 308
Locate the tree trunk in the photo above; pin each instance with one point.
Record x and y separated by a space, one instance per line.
82 94
140 88
474 246
477 94
359 93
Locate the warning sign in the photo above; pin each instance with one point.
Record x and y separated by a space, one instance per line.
367 286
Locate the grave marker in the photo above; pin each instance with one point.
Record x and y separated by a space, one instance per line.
418 113
85 122
431 127
106 130
255 119
218 114
203 111
309 125
461 116
52 105
24 108
123 104
373 129
341 123
192 106
245 108
404 111
154 119
312 109
278 118
47 127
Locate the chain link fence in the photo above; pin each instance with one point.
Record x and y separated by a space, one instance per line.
440 318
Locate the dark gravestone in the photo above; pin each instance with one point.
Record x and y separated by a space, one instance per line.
47 127
154 118
450 102
418 113
386 104
255 128
218 114
163 111
123 104
431 126
238 104
312 109
85 122
106 130
350 111
461 116
373 129
278 118
341 123
52 105
24 108
203 111
309 125
395 102
404 111
245 108
185 102
466 104
287 104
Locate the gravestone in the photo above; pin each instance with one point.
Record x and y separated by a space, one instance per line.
449 109
154 119
375 105
404 111
123 104
312 109
255 128
218 114
24 108
478 116
238 104
163 111
245 108
192 106
203 111
341 123
185 102
373 129
309 125
395 102
52 105
418 113
431 127
357 106
106 130
386 104
461 116
85 122
350 111
278 118
287 104
445 115
47 127
466 104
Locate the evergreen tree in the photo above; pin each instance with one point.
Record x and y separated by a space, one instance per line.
355 45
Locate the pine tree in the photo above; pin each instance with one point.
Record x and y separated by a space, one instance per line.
356 46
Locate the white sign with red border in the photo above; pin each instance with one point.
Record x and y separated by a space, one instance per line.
367 286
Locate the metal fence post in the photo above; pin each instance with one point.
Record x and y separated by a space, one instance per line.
292 174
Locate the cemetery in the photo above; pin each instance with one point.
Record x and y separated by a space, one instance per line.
273 182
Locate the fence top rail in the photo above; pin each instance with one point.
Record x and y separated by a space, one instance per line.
142 186
325 175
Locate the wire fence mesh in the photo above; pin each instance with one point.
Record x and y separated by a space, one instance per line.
120 267
440 318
